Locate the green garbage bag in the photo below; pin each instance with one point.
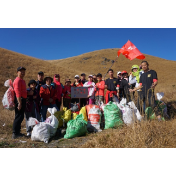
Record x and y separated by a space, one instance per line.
76 127
112 116
151 114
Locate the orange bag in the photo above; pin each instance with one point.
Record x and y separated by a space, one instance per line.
88 107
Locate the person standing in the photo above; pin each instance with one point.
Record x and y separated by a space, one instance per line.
48 93
119 77
112 85
32 104
99 90
20 101
67 94
95 79
91 88
77 83
147 83
59 90
40 80
39 83
134 79
83 78
124 86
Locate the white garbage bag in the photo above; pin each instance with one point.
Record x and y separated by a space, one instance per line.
41 132
160 95
135 110
94 118
9 96
32 121
52 120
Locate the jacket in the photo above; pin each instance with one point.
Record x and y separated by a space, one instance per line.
67 92
48 92
91 90
30 102
100 88
78 85
59 88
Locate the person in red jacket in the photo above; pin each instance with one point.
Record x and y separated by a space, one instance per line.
59 90
48 94
99 89
67 94
19 86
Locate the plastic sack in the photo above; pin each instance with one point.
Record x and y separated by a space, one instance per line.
41 132
74 115
32 121
9 96
52 121
76 128
112 116
84 113
94 118
75 107
149 113
67 115
90 106
123 102
136 113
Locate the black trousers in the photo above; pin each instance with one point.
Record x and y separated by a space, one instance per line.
58 104
19 116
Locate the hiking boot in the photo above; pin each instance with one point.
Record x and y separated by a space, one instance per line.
14 136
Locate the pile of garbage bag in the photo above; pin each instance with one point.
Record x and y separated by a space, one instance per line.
90 118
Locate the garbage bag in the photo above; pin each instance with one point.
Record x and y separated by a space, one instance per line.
136 113
41 132
150 114
52 121
74 115
88 107
83 112
94 119
9 96
75 107
67 115
112 116
76 128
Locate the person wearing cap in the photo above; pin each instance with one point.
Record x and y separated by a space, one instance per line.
77 83
95 79
91 89
59 90
134 79
83 78
40 80
67 94
147 83
99 90
48 93
119 77
124 86
32 104
112 85
19 86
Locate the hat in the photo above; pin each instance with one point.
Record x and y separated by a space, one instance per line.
119 72
123 72
76 76
90 76
99 75
47 78
40 73
67 80
83 74
20 68
31 82
134 66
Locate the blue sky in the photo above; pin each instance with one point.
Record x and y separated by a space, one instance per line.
62 43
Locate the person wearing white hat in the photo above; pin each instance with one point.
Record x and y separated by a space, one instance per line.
91 89
77 83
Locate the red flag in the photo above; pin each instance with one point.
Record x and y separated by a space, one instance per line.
130 51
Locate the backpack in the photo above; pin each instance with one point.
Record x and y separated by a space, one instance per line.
9 96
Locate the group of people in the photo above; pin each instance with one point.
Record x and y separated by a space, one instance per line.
47 92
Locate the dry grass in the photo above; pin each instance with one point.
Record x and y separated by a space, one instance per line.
146 134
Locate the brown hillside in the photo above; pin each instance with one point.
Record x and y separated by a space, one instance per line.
95 62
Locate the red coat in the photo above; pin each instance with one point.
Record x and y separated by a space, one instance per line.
100 90
67 92
46 93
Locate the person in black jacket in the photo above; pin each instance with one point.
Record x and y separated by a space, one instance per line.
124 86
